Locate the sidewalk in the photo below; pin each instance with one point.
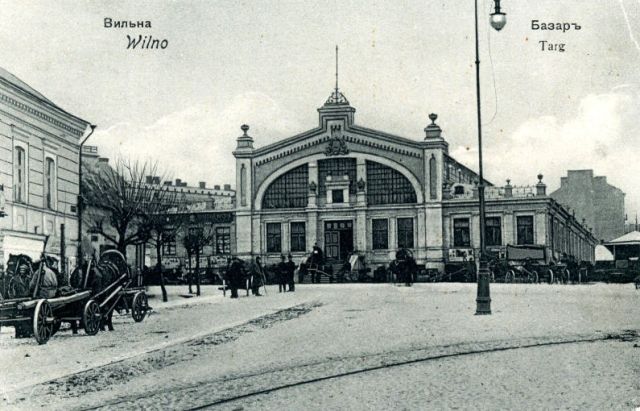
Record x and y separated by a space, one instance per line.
26 363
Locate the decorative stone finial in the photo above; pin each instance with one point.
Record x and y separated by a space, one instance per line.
541 188
508 181
433 130
245 141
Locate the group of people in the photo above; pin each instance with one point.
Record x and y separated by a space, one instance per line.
238 276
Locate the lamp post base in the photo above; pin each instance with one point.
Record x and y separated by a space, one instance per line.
483 300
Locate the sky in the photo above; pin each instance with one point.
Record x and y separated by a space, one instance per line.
271 64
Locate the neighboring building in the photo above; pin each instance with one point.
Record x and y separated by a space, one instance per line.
201 205
350 188
595 200
39 163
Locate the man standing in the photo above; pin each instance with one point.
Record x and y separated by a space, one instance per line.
257 274
282 275
235 276
290 270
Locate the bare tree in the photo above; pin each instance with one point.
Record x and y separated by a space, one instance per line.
194 241
162 228
121 201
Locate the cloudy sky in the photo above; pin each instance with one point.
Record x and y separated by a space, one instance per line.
270 64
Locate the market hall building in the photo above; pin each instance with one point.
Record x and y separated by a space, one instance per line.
352 189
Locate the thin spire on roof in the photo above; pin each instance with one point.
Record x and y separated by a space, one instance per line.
336 69
337 97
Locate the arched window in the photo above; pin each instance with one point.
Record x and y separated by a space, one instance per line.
243 185
20 176
388 186
290 190
49 182
336 167
433 178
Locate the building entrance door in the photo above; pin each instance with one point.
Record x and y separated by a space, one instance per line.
338 239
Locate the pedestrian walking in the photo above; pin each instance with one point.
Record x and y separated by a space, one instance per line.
290 272
282 272
257 276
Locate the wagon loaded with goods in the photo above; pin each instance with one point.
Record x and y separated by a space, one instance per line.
530 264
96 289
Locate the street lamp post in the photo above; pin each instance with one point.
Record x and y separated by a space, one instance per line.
483 299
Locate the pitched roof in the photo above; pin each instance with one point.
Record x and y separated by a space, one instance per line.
22 85
629 238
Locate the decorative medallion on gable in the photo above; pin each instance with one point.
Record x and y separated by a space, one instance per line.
337 145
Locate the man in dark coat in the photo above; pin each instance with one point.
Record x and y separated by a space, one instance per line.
290 270
257 275
235 276
282 275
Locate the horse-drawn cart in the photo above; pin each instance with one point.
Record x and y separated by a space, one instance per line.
97 290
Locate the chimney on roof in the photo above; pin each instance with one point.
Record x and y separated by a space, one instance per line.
202 184
168 183
216 187
178 182
156 180
103 160
227 187
148 179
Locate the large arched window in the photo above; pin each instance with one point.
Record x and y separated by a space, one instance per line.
336 167
388 186
290 190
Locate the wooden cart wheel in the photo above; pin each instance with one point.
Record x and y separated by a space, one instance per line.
91 317
533 277
42 322
567 276
509 276
139 306
550 272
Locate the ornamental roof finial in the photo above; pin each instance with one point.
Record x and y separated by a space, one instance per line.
337 97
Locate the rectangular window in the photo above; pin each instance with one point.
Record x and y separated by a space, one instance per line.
298 237
380 234
274 238
169 244
493 231
525 229
405 232
19 178
337 196
461 232
49 182
223 240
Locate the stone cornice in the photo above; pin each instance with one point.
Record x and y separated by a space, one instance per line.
304 143
73 144
50 117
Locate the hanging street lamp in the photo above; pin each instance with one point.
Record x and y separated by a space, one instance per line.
483 300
